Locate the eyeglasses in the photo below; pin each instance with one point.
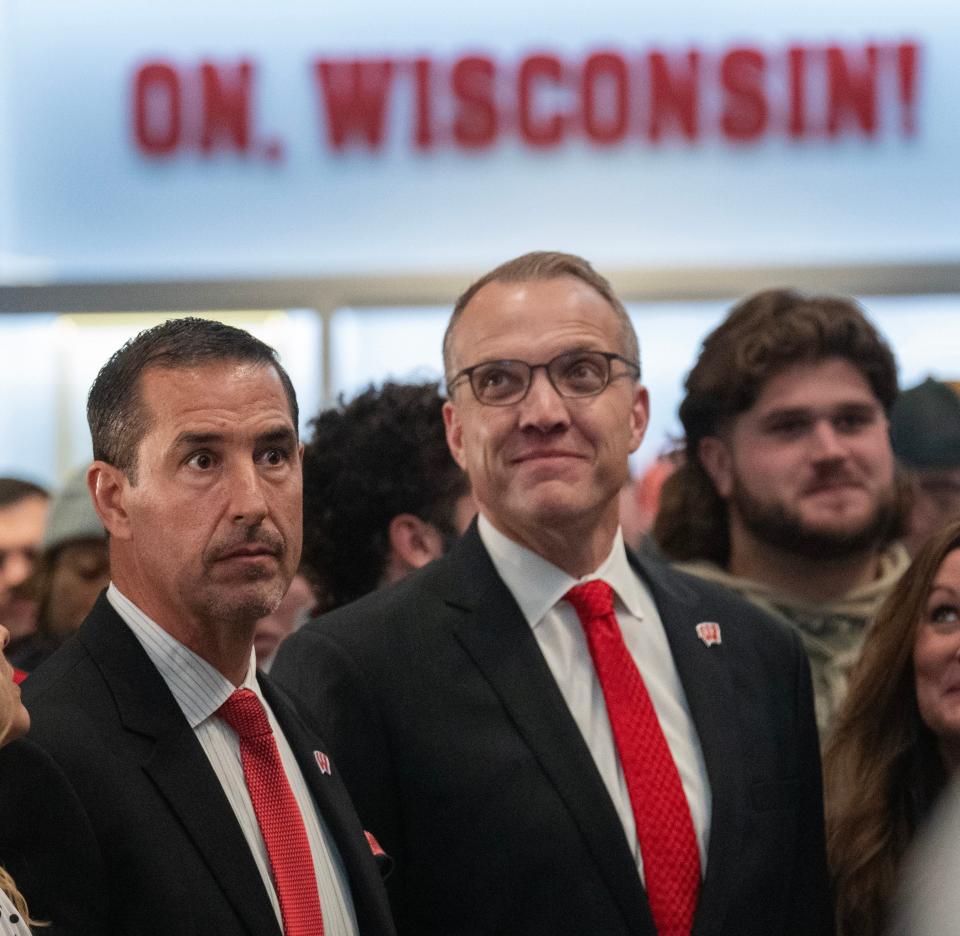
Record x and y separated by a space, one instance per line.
573 374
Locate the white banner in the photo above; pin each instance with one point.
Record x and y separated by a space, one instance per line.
209 139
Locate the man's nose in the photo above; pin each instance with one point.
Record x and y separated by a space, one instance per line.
17 565
827 442
248 504
543 408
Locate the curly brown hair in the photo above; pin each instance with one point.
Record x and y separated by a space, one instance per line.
761 336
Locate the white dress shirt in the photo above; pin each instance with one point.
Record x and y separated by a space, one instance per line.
200 690
538 587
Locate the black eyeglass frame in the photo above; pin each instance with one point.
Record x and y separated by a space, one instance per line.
608 356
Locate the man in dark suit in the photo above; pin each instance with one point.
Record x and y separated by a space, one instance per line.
188 797
550 735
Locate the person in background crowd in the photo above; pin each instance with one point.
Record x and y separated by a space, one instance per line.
896 739
187 794
640 501
23 510
381 494
786 492
291 613
551 735
14 722
72 568
925 433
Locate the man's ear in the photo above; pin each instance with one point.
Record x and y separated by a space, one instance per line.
413 543
454 428
639 416
717 461
108 486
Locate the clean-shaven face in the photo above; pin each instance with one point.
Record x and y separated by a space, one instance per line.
546 462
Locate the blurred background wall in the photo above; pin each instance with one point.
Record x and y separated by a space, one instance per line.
332 175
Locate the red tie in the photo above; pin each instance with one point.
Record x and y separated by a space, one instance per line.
278 815
668 844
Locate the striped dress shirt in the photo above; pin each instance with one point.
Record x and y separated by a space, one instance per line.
200 690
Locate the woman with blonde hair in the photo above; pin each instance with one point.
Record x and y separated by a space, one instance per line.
14 722
896 740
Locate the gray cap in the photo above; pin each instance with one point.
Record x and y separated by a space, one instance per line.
925 426
71 515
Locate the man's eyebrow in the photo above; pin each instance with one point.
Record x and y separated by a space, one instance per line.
280 435
276 436
187 439
809 412
782 412
859 406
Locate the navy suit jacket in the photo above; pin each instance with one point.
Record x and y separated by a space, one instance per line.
464 759
112 820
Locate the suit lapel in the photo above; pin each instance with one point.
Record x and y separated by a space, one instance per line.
177 765
334 806
706 680
492 630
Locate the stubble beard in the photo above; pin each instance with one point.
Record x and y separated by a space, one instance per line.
236 604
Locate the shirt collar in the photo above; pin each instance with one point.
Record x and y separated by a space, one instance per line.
198 687
537 585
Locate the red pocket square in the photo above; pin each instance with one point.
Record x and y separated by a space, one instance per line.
383 860
378 852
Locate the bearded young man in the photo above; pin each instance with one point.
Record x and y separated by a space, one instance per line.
788 492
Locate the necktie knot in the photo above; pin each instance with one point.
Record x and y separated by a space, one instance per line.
591 600
244 713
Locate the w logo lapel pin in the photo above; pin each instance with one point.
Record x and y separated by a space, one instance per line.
323 762
709 633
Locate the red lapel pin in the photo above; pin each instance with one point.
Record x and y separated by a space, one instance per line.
709 632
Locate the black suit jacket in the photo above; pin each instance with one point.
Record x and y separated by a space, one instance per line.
113 821
464 759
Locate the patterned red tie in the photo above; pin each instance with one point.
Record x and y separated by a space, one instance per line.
277 812
668 844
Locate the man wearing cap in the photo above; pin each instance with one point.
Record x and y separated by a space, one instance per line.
925 434
70 571
552 736
23 511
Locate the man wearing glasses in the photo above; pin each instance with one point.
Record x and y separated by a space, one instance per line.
549 734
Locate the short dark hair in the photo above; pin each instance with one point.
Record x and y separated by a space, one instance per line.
538 266
115 413
14 490
760 337
382 454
